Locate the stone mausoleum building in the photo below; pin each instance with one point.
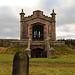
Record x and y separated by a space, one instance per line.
39 33
37 27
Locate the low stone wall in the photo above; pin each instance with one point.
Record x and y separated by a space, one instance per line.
25 42
57 43
18 43
6 42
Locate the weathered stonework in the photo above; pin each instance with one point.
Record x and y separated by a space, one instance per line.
57 43
39 33
37 18
19 43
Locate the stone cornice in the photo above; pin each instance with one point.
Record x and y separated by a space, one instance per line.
26 20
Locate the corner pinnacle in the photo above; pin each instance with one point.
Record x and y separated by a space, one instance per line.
22 10
53 11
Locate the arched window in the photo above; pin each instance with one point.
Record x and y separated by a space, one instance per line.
38 32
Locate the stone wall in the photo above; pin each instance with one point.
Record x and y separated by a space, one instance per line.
57 43
19 43
6 42
25 43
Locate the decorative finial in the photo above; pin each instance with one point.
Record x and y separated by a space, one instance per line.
53 13
22 10
53 10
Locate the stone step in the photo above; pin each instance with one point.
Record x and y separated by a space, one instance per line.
38 43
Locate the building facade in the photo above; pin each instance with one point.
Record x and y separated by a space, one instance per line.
38 32
37 26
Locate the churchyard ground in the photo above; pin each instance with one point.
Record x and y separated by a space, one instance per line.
61 65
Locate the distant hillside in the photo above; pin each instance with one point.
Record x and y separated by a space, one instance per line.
69 42
10 50
6 42
63 50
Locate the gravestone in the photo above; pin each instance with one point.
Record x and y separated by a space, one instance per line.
51 53
21 63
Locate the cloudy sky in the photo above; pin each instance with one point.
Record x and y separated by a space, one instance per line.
10 18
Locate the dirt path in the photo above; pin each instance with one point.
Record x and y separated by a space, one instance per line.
51 65
42 65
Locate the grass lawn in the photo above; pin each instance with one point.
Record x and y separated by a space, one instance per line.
40 71
62 59
69 59
52 71
63 64
41 66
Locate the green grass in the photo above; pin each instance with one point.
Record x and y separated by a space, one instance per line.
52 71
63 50
5 70
11 50
58 50
65 56
5 58
62 53
70 59
40 71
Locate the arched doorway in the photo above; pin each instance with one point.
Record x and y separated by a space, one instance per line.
38 32
37 53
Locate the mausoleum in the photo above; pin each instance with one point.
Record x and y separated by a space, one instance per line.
39 33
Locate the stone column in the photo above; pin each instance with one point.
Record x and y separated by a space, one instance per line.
21 30
21 24
28 50
50 51
53 25
53 31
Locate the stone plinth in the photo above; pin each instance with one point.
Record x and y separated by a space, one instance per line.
51 53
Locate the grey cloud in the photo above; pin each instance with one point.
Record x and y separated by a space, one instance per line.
65 13
66 37
9 24
64 18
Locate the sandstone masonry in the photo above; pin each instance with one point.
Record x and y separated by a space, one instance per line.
38 32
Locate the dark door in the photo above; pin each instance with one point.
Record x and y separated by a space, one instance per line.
37 53
38 32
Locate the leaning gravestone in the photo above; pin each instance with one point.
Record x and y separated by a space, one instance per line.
21 63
